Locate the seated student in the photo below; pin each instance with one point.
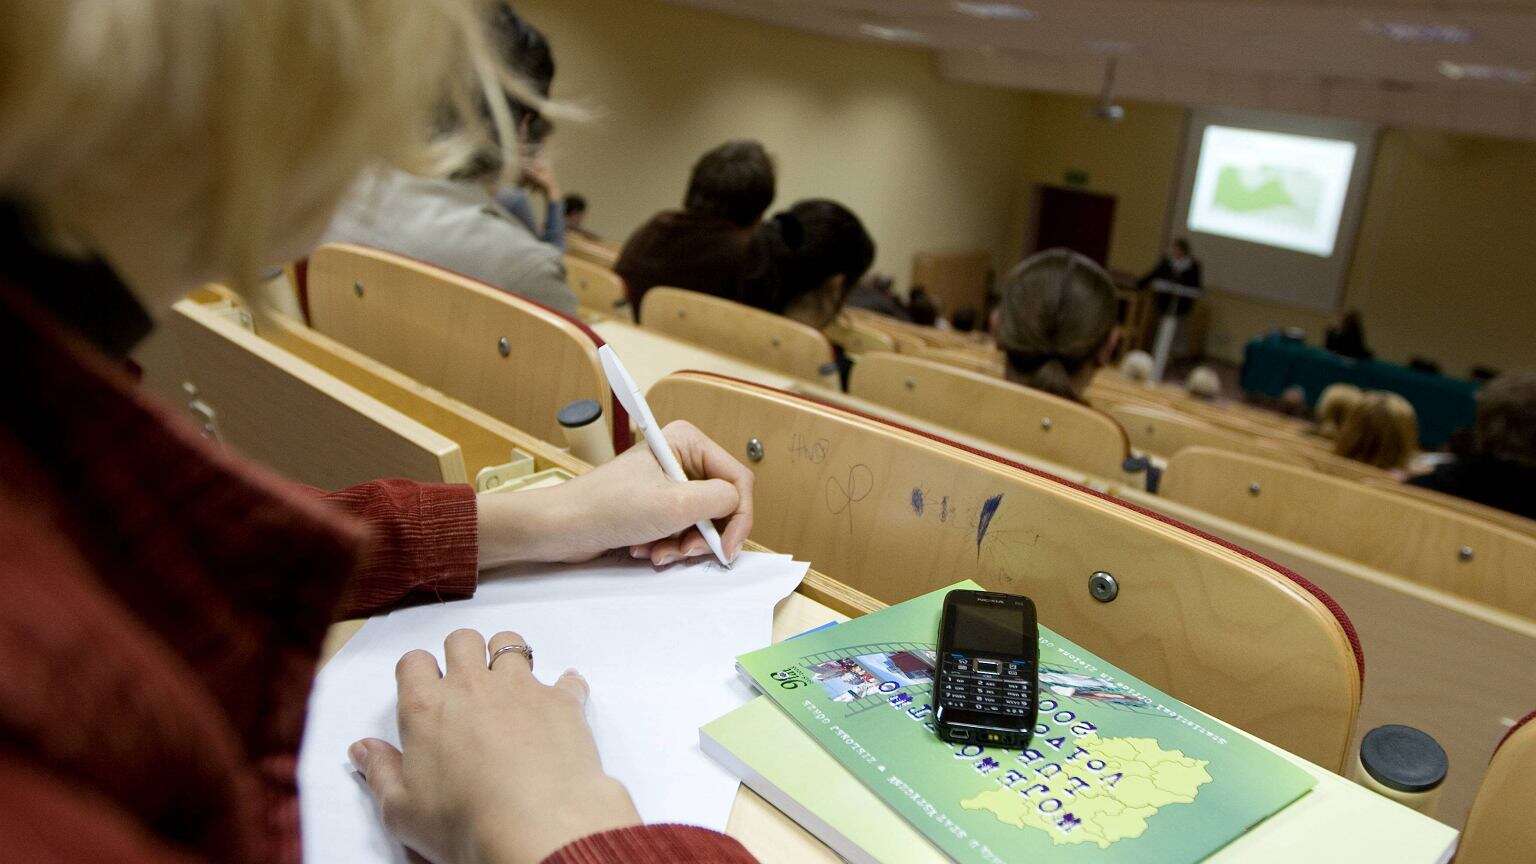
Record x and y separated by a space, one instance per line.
965 320
706 246
1137 366
448 217
920 307
1293 401
807 257
1500 468
1335 404
1056 322
1203 383
874 293
165 600
1381 430
526 50
575 209
1348 339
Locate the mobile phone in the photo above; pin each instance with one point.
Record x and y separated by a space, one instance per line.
988 676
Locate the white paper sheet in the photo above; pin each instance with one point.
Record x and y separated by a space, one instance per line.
657 647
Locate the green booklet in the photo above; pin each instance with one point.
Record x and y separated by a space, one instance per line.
1117 770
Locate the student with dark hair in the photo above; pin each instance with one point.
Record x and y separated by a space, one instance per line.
1057 322
874 293
448 216
1348 339
707 246
965 320
575 208
734 181
920 307
805 260
528 54
1500 469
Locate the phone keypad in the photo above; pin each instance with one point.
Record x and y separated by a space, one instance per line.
971 684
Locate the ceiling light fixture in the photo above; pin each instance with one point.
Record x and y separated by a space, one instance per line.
1484 72
892 34
995 11
1413 33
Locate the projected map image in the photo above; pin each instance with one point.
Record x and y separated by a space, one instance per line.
1265 187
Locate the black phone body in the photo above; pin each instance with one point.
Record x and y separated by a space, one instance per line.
988 677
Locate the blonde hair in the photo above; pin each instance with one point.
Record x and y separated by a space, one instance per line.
1058 311
1382 430
188 140
1137 366
1203 383
1335 403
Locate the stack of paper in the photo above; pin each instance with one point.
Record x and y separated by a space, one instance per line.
657 647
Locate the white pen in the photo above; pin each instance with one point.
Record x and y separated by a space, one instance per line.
629 395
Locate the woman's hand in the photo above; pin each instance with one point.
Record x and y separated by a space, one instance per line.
495 767
628 503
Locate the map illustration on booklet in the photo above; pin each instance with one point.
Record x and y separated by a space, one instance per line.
1116 771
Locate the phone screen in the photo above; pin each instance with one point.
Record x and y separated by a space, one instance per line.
990 629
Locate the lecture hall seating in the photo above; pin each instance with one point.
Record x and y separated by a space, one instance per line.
894 513
1434 546
298 420
598 252
762 338
1000 412
505 355
597 288
1500 829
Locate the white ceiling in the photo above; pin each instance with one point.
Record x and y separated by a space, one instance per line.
1398 62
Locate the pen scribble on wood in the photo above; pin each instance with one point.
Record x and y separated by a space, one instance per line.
842 495
814 452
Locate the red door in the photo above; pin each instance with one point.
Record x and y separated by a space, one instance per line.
1075 219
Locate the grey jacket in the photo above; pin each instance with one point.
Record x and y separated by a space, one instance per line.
455 225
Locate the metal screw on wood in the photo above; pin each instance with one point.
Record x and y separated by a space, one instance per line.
911 384
1103 586
357 288
1254 489
1046 424
1465 553
776 341
755 450
504 346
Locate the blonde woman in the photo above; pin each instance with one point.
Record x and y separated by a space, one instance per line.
1137 366
164 600
1203 383
1335 403
1056 322
1382 430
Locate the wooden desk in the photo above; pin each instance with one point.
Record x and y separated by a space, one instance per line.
1337 821
650 356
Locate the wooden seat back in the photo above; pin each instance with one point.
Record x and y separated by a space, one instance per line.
997 411
505 355
298 420
989 363
762 338
893 513
596 286
596 251
1164 432
858 338
1504 518
1394 533
1500 829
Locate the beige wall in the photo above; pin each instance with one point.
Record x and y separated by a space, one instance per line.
1445 262
927 164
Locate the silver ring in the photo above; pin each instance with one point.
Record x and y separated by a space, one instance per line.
515 649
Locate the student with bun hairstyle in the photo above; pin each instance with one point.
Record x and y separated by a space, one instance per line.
806 260
164 599
1057 322
1335 404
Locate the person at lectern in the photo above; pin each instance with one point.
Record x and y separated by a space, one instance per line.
1180 267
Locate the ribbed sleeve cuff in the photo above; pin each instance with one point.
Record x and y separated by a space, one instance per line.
654 844
450 547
